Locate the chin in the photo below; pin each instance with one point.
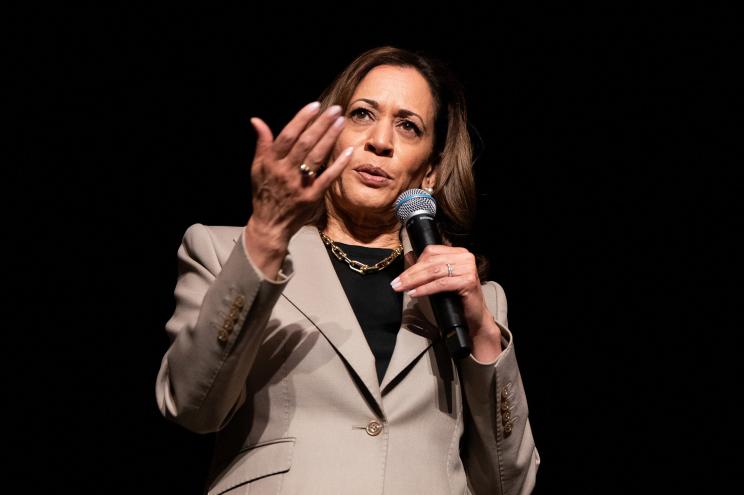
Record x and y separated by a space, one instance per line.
370 199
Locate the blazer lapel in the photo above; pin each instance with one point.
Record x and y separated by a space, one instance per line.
316 291
414 338
417 331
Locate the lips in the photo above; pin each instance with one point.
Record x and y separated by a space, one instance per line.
370 169
372 176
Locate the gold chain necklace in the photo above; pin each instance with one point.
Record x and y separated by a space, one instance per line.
358 266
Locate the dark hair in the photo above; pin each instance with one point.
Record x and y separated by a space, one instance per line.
452 152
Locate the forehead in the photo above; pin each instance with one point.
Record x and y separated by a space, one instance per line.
397 87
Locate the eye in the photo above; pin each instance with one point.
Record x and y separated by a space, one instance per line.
410 126
359 112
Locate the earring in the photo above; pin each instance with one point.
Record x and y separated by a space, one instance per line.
429 190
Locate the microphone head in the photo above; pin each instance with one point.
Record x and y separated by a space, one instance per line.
414 202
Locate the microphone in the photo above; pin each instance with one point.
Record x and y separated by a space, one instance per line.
416 210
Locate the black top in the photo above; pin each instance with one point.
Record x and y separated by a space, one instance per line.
377 306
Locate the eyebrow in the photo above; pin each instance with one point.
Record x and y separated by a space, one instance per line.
402 112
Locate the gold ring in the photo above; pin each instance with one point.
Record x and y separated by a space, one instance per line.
306 171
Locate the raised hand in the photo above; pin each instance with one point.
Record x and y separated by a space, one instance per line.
284 197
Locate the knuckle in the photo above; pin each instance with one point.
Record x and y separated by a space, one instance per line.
313 161
304 143
287 139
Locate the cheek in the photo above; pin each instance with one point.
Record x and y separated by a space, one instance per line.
414 173
346 138
335 151
343 141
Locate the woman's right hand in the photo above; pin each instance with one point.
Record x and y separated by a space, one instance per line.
284 200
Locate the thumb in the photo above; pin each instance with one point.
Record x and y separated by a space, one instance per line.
265 137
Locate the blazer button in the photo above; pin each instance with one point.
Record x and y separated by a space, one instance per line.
239 301
222 336
506 391
374 428
506 417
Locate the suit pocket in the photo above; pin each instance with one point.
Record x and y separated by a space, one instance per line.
256 462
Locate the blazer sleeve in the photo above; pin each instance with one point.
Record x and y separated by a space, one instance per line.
499 451
215 331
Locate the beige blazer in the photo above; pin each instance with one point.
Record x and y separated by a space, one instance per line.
282 372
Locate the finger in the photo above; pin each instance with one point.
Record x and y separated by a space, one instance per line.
432 269
291 132
434 249
317 156
445 284
328 123
412 261
265 136
462 259
331 173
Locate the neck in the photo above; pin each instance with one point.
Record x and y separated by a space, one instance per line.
363 230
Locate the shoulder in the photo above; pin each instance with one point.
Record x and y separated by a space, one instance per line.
210 242
216 233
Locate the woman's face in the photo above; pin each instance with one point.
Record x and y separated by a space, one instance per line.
390 123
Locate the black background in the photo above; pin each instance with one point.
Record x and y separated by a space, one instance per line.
606 206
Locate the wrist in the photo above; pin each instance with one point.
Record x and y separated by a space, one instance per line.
487 339
265 248
272 240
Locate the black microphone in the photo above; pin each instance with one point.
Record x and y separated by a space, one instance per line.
416 210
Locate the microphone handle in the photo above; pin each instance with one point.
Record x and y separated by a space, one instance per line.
447 306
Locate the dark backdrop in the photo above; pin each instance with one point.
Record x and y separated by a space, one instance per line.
605 202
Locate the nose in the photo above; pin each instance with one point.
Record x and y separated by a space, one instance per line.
380 139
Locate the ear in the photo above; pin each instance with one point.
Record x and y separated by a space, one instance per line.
430 177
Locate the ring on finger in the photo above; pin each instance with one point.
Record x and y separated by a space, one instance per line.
306 171
449 270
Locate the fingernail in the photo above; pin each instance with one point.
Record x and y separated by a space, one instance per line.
255 125
348 151
338 123
313 106
334 110
411 292
395 283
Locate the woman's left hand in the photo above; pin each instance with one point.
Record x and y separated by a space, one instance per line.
429 275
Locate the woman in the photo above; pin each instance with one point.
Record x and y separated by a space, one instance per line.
305 338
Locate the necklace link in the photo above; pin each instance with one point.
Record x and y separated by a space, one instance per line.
358 266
